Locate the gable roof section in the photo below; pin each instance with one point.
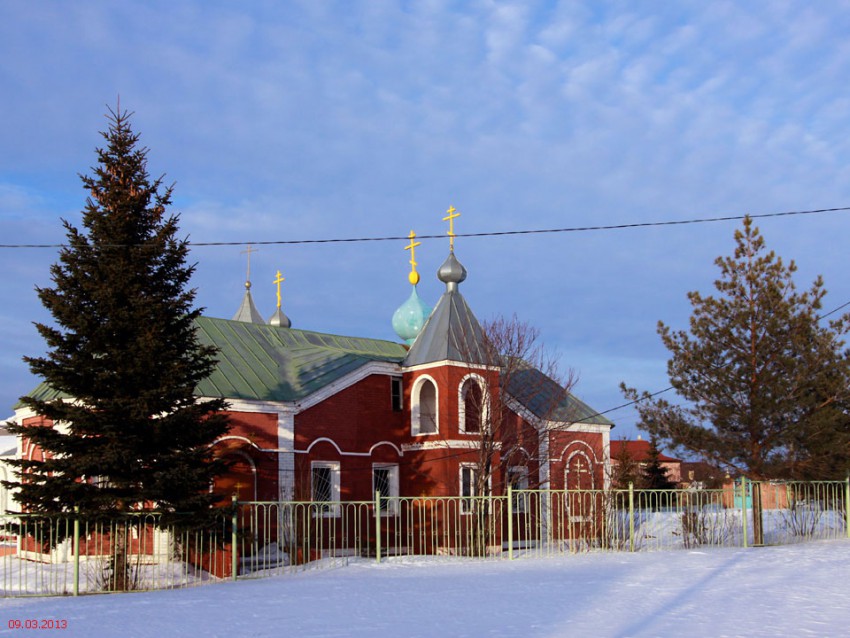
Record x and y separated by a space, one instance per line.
271 363
452 333
637 451
546 399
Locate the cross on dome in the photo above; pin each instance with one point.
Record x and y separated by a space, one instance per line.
278 280
452 271
409 318
248 311
279 318
413 277
452 215
248 250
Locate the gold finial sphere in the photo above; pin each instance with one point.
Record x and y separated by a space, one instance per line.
413 276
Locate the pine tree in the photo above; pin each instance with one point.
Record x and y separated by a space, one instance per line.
765 383
123 358
653 474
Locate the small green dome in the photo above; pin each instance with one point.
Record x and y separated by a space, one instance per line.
410 317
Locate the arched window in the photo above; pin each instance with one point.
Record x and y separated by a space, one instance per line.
424 407
473 405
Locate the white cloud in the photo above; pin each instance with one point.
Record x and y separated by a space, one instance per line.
17 202
318 119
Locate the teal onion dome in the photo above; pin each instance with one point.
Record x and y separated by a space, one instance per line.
410 317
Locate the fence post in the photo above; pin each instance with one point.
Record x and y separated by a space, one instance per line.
631 516
76 550
605 500
510 522
847 505
233 556
378 525
744 508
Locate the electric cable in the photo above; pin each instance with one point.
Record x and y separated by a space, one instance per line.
503 233
466 452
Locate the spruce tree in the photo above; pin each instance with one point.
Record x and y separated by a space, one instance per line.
654 476
765 382
123 358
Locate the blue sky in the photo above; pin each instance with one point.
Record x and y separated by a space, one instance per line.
307 120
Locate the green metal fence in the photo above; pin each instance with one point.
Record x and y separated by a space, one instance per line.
68 555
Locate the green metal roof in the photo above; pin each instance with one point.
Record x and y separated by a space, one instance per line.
270 363
42 392
546 399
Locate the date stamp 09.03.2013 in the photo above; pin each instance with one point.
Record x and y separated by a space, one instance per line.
37 623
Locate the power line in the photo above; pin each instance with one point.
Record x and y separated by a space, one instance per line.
644 398
574 229
466 452
834 310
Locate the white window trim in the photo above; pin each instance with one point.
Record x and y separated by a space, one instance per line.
519 505
415 413
461 403
392 498
464 508
333 510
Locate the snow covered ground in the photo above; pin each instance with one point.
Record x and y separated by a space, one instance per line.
797 590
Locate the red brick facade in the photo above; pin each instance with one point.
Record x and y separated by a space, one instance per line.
357 429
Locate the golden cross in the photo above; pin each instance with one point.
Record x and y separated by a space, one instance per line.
451 219
413 277
248 250
278 280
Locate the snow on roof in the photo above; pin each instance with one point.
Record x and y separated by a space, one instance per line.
8 445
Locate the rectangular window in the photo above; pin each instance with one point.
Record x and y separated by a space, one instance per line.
385 481
397 394
468 476
324 483
518 480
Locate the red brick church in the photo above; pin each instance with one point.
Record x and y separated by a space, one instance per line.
326 418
